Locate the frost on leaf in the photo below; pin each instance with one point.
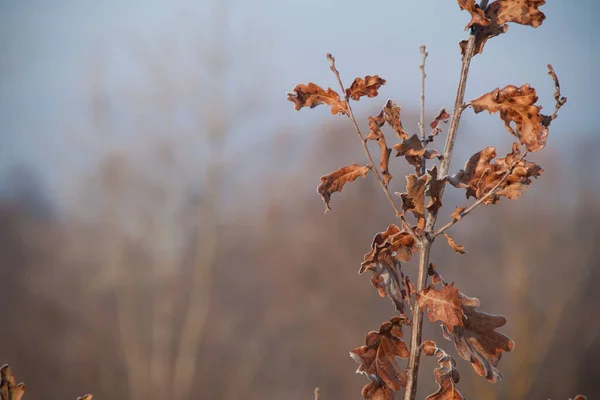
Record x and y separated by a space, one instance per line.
414 151
442 305
446 375
434 190
365 87
477 15
460 249
375 124
312 95
379 360
8 389
414 198
512 175
389 248
335 181
391 114
524 12
477 340
517 105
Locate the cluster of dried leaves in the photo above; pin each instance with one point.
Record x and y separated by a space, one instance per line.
485 178
11 391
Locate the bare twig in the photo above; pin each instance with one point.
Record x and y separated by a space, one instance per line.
560 101
399 213
417 317
481 200
317 393
422 120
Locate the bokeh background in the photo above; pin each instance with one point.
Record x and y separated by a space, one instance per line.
160 232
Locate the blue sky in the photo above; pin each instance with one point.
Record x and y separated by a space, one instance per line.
52 52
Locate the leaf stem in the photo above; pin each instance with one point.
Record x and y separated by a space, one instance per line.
417 317
363 140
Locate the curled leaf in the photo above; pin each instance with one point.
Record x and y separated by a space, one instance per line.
414 151
365 87
460 249
516 105
446 375
442 116
9 390
391 113
477 15
375 123
335 181
434 190
312 95
414 198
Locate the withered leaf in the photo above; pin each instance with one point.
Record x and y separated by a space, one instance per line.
477 15
375 123
477 340
434 190
387 250
442 305
442 116
460 249
9 390
376 391
414 198
500 12
456 214
524 12
436 278
312 95
480 176
365 87
446 375
335 181
516 105
413 150
391 113
378 358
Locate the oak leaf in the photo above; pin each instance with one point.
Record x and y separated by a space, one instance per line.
414 198
9 390
460 249
364 87
477 15
477 340
511 175
375 123
391 113
517 105
446 375
377 391
442 305
442 116
378 358
413 150
335 181
500 12
388 249
434 190
312 95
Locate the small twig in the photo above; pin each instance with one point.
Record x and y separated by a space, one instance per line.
560 101
317 393
399 213
422 120
481 200
410 391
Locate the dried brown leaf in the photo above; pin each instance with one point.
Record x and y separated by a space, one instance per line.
442 116
414 198
391 113
414 151
456 214
388 249
460 249
378 358
365 87
446 375
477 15
480 176
376 391
312 95
335 181
477 340
9 390
434 190
375 123
442 305
516 105
436 278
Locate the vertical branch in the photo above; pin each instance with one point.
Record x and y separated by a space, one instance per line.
422 113
417 318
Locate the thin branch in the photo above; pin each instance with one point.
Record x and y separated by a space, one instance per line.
399 213
481 200
417 317
317 393
422 120
560 101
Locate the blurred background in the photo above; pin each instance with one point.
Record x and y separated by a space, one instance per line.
160 232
